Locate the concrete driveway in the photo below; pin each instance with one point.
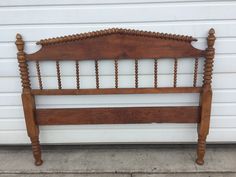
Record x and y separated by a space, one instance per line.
118 161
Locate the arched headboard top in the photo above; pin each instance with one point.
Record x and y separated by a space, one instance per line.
116 43
99 33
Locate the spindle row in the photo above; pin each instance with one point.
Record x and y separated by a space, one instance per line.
116 73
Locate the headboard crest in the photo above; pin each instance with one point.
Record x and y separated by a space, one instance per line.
105 32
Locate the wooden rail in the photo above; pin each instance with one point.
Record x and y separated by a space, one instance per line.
116 91
128 115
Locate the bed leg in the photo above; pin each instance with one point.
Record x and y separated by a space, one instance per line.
203 126
31 125
201 149
36 150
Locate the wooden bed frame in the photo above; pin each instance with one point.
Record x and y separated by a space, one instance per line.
117 44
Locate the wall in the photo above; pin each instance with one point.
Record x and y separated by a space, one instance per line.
42 19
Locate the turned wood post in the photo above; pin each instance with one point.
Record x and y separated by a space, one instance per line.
24 72
206 97
28 101
210 53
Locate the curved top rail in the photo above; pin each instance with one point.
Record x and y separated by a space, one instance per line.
116 43
110 31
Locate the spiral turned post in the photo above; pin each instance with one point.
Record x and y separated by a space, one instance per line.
206 98
28 101
23 66
210 53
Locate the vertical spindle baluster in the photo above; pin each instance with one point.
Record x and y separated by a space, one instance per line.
39 75
175 71
155 72
116 73
195 72
136 73
77 74
58 74
97 74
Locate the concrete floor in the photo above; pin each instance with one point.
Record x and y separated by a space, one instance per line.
118 161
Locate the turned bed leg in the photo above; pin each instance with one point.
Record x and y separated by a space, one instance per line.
36 150
206 99
31 125
203 126
201 149
28 101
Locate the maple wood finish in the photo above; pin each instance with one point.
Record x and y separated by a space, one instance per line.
116 91
188 114
116 44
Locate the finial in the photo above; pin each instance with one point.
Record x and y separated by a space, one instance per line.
211 31
18 36
19 42
211 38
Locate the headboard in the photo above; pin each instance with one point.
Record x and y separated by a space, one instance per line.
117 44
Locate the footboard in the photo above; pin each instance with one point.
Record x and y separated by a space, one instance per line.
115 45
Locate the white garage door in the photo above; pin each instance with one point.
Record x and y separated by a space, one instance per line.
42 19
